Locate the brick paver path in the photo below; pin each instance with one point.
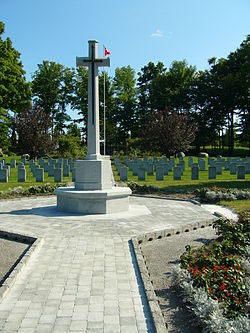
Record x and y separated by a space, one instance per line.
84 276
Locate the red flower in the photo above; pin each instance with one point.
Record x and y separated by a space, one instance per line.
215 268
223 286
210 289
218 299
227 294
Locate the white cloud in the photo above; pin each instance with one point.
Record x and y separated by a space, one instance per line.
157 34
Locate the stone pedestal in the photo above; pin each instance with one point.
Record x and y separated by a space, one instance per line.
109 201
93 175
93 192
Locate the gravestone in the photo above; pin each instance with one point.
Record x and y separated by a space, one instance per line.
190 161
21 173
233 168
227 165
182 166
194 172
150 169
3 176
141 173
57 175
46 167
247 167
66 170
13 163
218 166
177 173
202 164
241 172
51 170
211 172
124 174
159 173
135 168
39 175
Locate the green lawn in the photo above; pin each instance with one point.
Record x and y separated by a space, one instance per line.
238 205
30 180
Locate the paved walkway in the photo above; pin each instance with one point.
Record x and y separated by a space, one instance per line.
84 277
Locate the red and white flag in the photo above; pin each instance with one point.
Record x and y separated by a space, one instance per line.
106 51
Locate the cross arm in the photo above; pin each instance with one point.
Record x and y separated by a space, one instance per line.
83 61
103 62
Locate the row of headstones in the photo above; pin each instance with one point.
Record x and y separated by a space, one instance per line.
55 169
230 164
162 167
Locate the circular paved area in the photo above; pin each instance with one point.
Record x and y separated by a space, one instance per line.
84 277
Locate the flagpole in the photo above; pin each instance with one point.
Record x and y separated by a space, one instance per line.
104 115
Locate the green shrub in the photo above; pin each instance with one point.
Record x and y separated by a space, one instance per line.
220 268
70 146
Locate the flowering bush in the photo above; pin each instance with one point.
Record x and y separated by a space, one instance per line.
219 268
208 311
216 194
32 190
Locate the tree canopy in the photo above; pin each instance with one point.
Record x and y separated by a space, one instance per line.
216 100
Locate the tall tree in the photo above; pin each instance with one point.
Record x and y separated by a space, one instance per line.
32 126
15 93
79 100
125 100
173 87
146 97
52 86
240 62
169 132
110 110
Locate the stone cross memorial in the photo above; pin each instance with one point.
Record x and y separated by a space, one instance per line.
93 62
93 192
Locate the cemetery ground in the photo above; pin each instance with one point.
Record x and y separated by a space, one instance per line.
158 262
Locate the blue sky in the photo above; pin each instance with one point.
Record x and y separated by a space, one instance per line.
135 31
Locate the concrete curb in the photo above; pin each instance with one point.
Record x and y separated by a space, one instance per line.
159 323
35 245
165 198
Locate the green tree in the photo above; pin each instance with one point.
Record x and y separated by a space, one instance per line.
173 88
52 86
208 115
15 93
240 62
110 110
146 97
125 103
79 101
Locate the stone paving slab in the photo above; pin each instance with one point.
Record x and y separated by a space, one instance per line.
84 278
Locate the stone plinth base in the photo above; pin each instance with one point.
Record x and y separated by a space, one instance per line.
108 201
93 175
